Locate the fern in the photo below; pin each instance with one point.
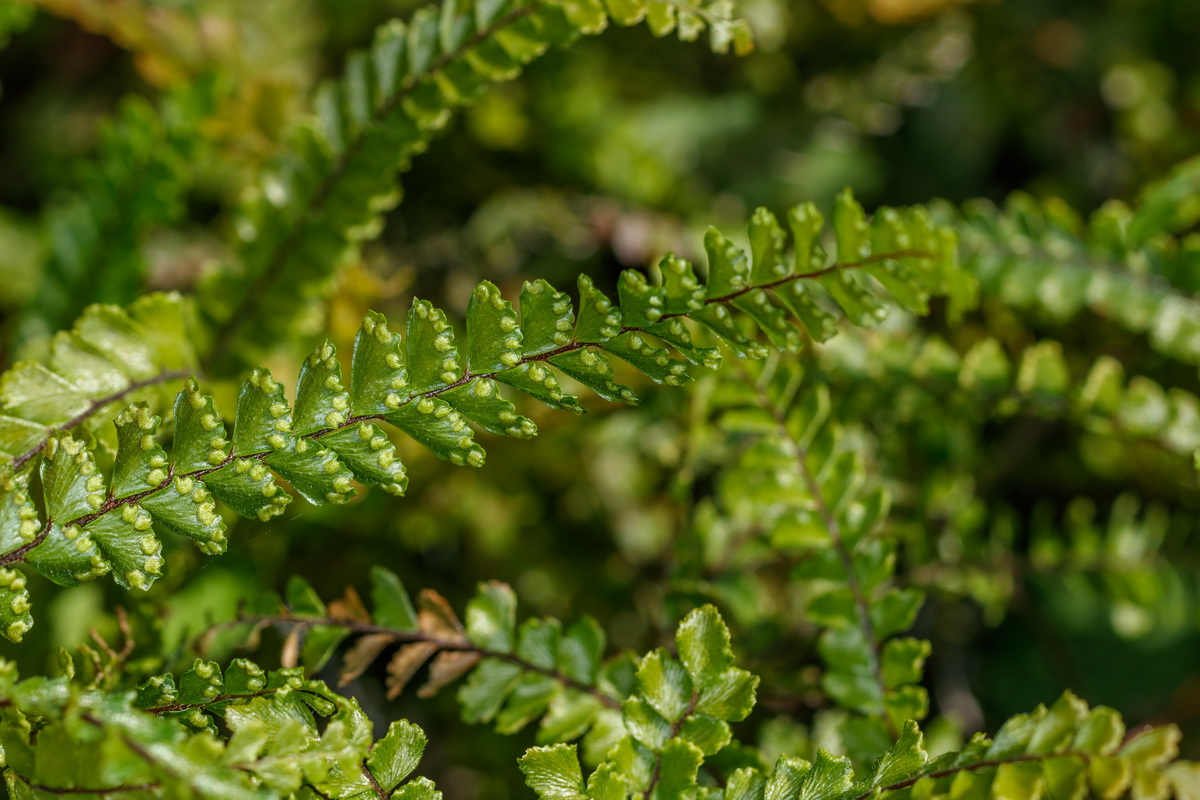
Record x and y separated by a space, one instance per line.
428 390
648 710
1122 558
991 379
285 735
677 714
113 357
674 715
816 507
330 190
1067 750
514 675
1125 264
1154 428
785 468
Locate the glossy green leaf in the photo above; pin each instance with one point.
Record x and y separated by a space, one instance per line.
263 421
71 485
185 507
249 488
494 340
538 381
313 471
128 545
396 755
592 369
322 402
141 463
433 423
200 441
655 362
665 684
547 318
491 617
486 689
553 772
599 320
392 606
432 352
369 455
481 401
379 379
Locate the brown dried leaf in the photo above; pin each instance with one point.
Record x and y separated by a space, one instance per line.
437 619
364 652
349 608
290 655
408 660
450 665
254 638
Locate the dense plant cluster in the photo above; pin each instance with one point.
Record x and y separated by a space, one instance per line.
875 436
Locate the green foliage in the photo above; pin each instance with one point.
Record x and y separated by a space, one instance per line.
112 357
1126 263
823 516
280 735
1067 750
419 383
982 544
515 675
806 542
329 191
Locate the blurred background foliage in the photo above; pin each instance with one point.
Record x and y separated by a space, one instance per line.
1055 557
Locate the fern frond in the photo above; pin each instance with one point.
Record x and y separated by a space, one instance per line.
649 709
284 735
331 190
1122 559
515 675
1106 400
111 358
425 387
805 479
677 713
1067 750
992 380
1124 264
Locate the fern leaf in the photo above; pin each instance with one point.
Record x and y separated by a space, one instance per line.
112 358
515 675
330 191
820 511
1124 265
419 383
678 712
987 381
1067 750
278 733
